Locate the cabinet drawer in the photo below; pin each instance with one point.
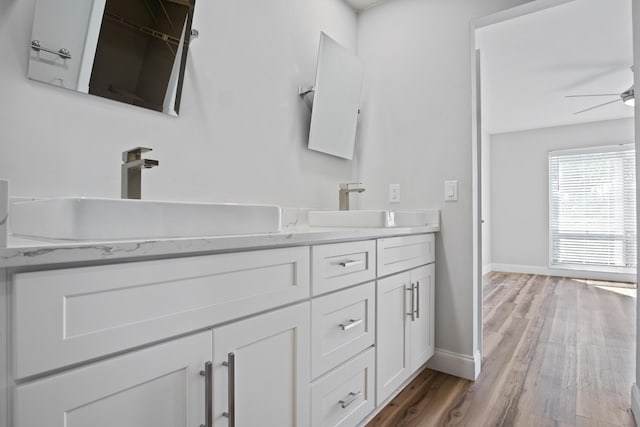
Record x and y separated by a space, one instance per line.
342 325
160 386
345 396
403 253
71 315
340 265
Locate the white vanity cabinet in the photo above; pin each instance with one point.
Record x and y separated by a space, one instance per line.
288 336
405 314
405 327
160 386
261 370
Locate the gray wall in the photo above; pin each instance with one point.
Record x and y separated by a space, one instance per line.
243 130
416 131
520 180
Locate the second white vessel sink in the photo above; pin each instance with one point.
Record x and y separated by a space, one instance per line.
80 218
374 218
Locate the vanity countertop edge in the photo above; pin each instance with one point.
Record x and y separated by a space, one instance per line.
31 253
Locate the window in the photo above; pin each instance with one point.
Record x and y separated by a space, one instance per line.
592 202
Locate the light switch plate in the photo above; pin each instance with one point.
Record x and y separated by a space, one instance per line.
394 193
451 191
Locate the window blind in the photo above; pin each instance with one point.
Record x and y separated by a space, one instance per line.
592 208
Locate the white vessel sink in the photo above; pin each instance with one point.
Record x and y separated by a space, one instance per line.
350 219
374 218
79 218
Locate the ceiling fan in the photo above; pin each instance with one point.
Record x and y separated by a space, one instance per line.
628 97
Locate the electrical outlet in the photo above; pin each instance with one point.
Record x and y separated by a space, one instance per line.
394 193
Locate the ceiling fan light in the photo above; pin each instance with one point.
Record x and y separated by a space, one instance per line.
631 102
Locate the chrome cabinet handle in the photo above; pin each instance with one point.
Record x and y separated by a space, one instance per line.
352 397
418 300
412 313
208 401
350 263
62 53
352 323
231 364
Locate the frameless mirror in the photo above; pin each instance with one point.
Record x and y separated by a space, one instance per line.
132 51
336 100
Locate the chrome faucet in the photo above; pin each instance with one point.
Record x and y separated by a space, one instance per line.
343 194
132 166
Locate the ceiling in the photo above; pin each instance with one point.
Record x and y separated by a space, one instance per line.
530 63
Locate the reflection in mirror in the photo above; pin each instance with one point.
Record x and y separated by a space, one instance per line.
336 100
133 51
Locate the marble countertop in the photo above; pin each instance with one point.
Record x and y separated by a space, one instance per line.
30 253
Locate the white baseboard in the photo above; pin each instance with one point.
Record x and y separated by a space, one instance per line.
459 365
576 274
456 364
635 403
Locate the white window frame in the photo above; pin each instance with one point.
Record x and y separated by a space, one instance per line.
574 151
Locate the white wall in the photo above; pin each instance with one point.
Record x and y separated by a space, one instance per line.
243 129
416 131
520 180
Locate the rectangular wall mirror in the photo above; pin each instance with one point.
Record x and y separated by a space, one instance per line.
336 100
132 51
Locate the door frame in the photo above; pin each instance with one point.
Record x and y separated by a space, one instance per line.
476 152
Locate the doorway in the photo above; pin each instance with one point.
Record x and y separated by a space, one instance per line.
514 270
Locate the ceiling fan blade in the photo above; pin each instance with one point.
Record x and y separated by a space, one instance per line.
599 94
597 106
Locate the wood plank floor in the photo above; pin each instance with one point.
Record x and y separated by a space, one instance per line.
557 352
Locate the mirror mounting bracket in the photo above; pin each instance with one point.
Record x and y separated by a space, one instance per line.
303 91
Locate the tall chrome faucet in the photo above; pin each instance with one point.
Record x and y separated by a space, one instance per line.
132 166
343 194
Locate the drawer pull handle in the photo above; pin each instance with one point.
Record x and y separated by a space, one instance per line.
350 263
352 397
412 313
352 323
231 364
418 300
208 378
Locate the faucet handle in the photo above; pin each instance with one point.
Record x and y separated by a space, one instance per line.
134 154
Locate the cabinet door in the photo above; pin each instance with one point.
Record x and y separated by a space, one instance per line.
261 370
422 327
160 386
392 334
